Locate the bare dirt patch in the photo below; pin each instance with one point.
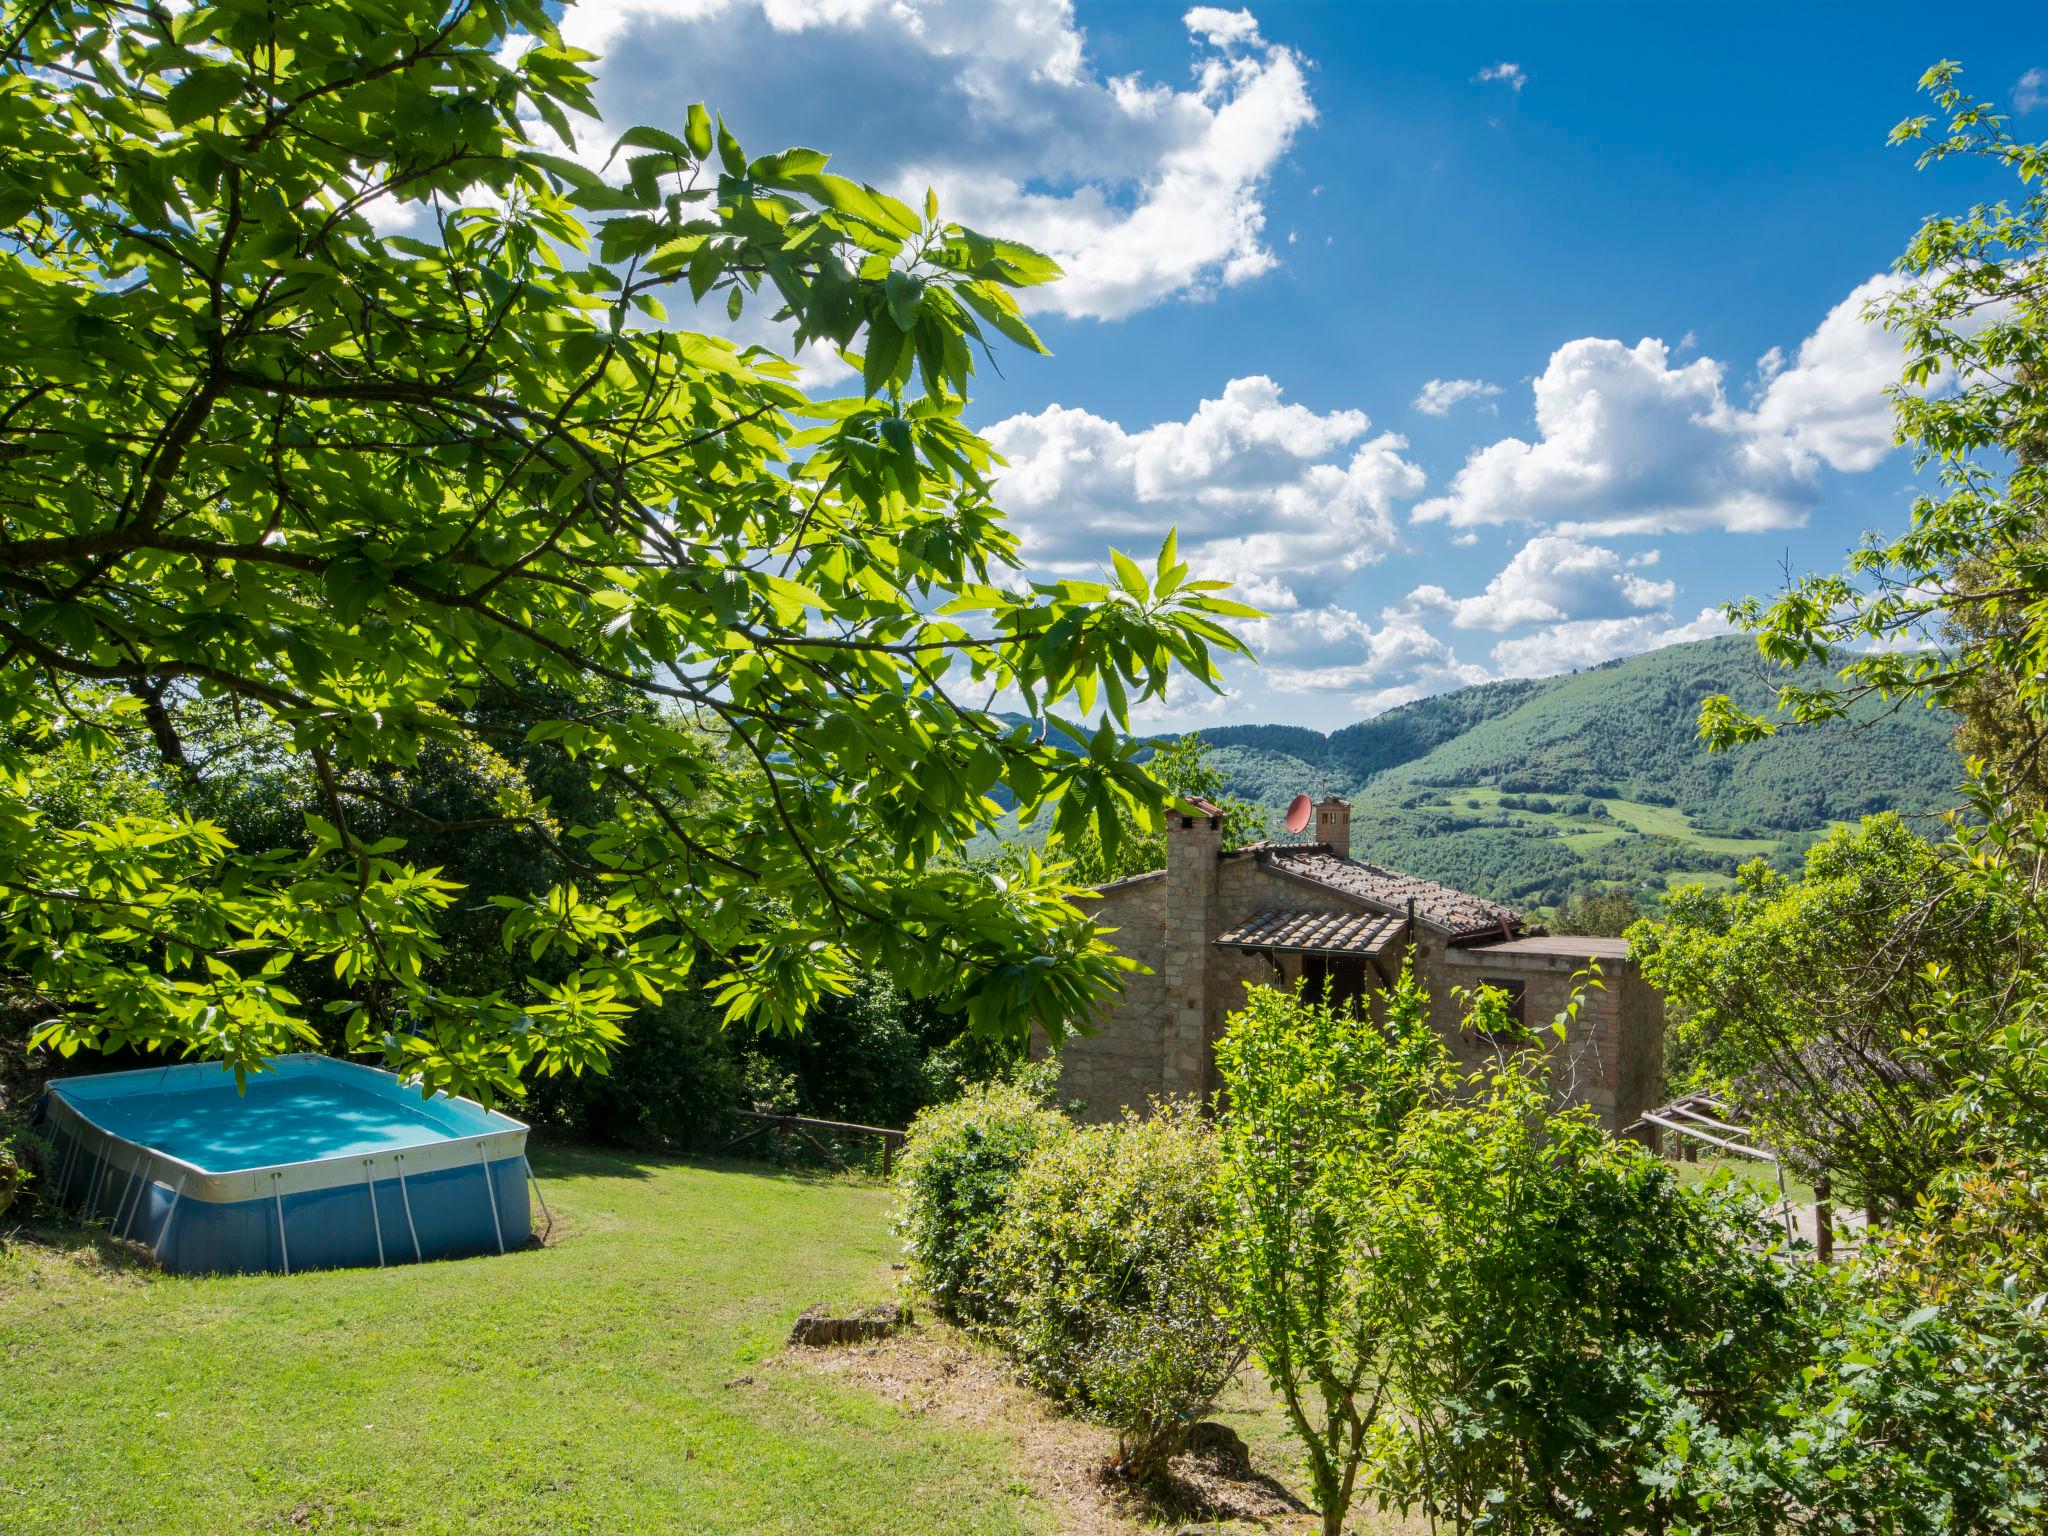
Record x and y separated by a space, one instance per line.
936 1370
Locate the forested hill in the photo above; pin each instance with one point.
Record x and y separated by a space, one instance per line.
1527 790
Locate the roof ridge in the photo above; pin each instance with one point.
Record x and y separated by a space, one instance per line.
1458 913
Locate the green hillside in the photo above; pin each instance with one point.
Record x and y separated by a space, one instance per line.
1528 790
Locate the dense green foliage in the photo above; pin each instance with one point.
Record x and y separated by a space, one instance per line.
1468 1296
345 484
1626 732
1108 1291
958 1167
1316 1097
1086 1252
1608 914
1183 767
1814 1003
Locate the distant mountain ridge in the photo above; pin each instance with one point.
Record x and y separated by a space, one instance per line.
1624 791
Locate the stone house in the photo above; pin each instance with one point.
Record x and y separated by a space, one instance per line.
1217 920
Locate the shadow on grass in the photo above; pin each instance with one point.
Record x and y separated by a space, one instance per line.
89 1244
1213 1479
569 1159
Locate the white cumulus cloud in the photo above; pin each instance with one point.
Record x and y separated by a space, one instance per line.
1583 642
1438 396
2030 91
1630 440
1513 76
1283 500
1144 190
1550 579
1828 400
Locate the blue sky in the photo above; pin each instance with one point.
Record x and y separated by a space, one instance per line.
1629 243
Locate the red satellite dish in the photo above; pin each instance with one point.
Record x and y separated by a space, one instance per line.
1298 813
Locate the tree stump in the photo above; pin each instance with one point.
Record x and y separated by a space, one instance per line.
819 1327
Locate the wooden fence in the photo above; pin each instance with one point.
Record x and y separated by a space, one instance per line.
803 1126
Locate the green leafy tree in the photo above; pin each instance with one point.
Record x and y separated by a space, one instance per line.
260 455
1552 1288
1971 570
1315 1098
1606 914
1844 1009
1471 1299
1180 766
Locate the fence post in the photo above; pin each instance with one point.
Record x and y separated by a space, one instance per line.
1823 1219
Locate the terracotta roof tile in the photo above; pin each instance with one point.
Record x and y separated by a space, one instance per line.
1322 933
1457 913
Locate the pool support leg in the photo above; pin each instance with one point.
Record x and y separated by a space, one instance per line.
99 1181
70 1167
131 1199
491 1194
376 1221
164 1231
527 1163
120 1205
406 1196
283 1249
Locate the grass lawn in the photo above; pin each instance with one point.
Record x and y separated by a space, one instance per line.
1763 1175
578 1388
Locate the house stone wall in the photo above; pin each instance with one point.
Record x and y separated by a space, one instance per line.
1119 1057
1611 1056
1159 1038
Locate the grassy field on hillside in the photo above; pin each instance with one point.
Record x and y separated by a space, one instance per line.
629 1378
1587 833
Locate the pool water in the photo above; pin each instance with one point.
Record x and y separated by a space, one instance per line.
278 1120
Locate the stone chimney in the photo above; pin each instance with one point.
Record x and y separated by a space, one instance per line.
1194 845
1333 824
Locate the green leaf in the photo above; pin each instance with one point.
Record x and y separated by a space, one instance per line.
202 93
905 294
854 200
1130 577
653 138
730 155
885 348
697 131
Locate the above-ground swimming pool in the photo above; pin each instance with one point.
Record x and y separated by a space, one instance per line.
320 1164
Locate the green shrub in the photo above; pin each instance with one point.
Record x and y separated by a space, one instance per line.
1112 1297
958 1165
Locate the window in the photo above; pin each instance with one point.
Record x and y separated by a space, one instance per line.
1344 975
1516 991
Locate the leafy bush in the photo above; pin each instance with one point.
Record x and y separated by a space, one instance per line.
1112 1297
1551 1285
959 1163
1922 1422
1470 1295
24 1158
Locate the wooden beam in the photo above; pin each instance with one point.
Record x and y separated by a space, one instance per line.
1694 1133
1719 1125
